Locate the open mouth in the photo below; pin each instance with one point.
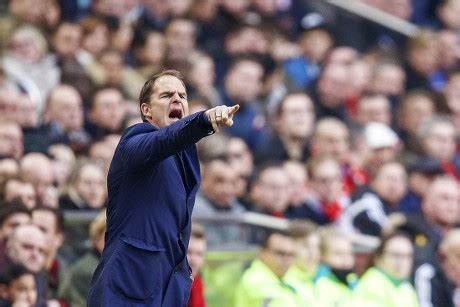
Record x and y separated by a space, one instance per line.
175 114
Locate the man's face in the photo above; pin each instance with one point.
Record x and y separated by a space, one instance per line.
244 81
23 190
240 157
13 221
67 109
417 111
272 190
440 142
279 254
374 109
327 181
46 221
391 183
11 141
334 142
389 80
91 186
180 39
218 183
308 252
397 258
339 254
23 289
196 254
168 102
332 87
442 203
297 117
28 248
67 39
108 111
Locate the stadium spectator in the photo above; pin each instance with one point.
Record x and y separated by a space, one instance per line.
415 107
63 162
368 214
421 174
22 191
63 122
51 222
66 42
437 283
302 273
299 186
386 282
437 137
242 86
422 61
26 246
37 169
270 193
27 60
217 196
293 124
87 189
11 216
18 286
11 140
106 114
149 48
74 287
102 152
388 78
326 200
381 145
330 92
196 257
335 283
262 283
374 108
180 37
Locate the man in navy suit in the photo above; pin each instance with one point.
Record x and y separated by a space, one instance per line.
152 183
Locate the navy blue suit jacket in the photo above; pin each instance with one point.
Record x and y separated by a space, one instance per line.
151 197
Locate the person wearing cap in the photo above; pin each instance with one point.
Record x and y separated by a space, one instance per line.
315 41
381 145
368 214
421 174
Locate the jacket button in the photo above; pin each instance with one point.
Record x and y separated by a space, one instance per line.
177 269
181 236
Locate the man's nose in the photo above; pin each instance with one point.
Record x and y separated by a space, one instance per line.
176 97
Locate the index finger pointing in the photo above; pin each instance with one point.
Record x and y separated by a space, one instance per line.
232 110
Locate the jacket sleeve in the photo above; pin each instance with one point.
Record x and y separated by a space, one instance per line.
154 146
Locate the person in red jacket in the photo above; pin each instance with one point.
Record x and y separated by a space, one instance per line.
195 255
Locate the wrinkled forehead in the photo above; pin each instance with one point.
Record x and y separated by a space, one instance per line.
168 84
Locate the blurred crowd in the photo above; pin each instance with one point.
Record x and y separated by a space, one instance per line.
344 125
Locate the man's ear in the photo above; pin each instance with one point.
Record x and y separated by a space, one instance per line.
146 110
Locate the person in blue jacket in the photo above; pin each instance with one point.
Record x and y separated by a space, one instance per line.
152 183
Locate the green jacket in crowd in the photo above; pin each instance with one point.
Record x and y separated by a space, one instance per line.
331 292
76 283
260 287
377 289
303 283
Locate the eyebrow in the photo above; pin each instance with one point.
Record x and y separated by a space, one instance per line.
172 93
